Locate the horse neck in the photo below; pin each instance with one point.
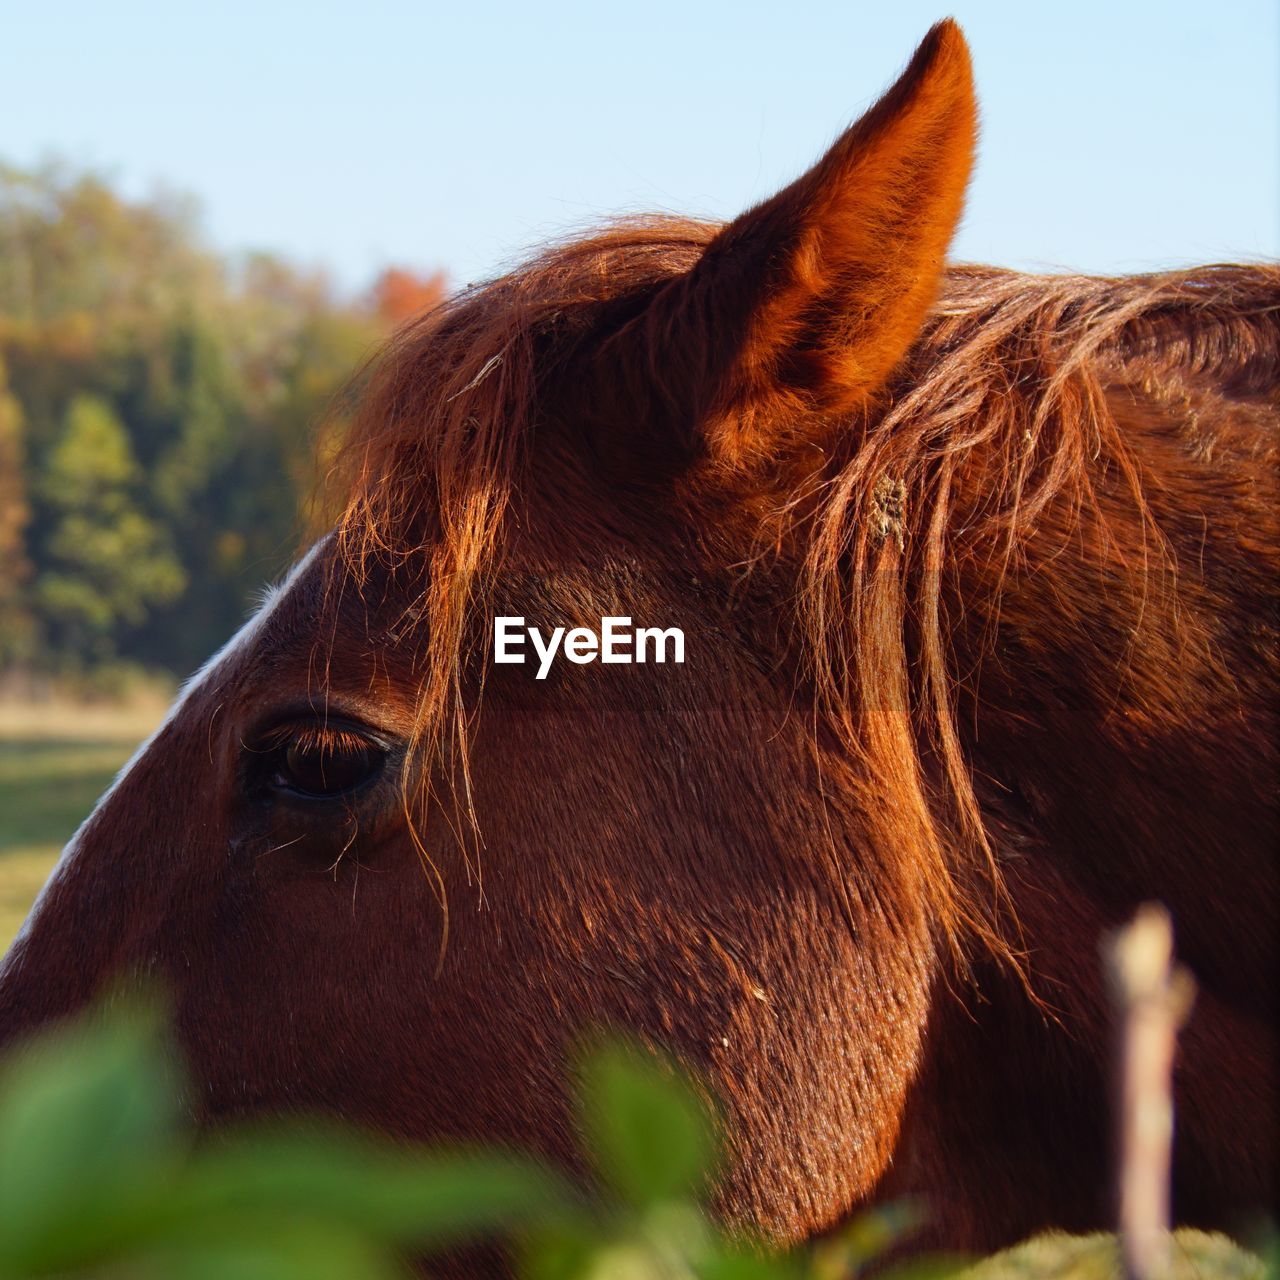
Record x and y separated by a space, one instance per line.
1116 693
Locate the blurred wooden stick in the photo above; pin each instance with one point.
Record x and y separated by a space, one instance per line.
1152 998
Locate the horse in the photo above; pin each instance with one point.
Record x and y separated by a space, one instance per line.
975 572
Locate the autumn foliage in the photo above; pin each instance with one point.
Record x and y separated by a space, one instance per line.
158 411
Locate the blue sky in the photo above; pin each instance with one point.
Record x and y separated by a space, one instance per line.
1116 136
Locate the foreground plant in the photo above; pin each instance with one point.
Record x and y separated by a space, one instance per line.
102 1175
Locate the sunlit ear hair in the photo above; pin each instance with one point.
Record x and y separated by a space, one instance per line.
804 305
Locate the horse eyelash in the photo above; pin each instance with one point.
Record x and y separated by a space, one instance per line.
311 737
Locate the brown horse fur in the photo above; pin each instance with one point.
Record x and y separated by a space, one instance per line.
977 572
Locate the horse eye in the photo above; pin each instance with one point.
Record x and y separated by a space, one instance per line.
321 762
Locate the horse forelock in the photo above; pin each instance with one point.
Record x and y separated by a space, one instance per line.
999 413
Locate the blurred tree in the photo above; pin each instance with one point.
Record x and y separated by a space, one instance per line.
15 620
195 386
399 295
107 563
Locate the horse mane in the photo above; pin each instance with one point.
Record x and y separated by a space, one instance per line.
1006 386
999 417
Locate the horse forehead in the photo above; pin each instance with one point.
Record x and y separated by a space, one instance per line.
315 639
285 616
275 650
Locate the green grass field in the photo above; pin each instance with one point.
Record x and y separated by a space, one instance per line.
56 759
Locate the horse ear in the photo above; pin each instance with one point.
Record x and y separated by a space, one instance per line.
806 303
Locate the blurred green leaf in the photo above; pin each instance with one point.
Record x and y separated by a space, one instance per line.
750 1266
272 1248
651 1134
393 1196
559 1252
88 1132
864 1240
